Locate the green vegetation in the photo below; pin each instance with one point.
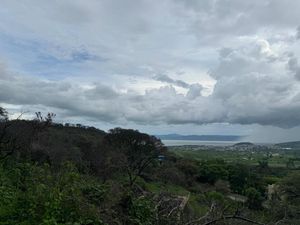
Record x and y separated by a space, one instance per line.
32 194
54 174
292 145
277 158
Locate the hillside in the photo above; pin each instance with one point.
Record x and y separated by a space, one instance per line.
63 174
292 145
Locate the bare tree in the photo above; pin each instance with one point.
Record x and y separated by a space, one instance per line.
139 149
45 120
5 149
8 141
17 135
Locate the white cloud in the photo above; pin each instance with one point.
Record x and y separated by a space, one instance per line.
172 62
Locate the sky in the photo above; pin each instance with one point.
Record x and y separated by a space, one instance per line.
170 66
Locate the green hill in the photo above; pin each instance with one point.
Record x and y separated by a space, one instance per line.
54 174
292 145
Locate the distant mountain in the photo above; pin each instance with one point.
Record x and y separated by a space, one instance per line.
293 144
244 144
200 137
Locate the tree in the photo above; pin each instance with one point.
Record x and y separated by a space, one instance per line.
238 175
7 142
45 120
3 126
263 166
290 185
254 198
290 195
222 186
18 135
212 171
139 150
3 114
190 170
171 174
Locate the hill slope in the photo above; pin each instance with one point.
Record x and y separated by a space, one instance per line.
293 145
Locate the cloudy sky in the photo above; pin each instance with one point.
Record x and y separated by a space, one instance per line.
168 66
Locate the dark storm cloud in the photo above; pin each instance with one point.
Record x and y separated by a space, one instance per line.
194 90
294 67
166 79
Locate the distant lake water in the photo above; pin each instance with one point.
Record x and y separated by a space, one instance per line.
196 142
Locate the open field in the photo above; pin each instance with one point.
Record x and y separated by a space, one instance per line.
275 158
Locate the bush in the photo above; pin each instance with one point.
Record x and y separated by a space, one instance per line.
212 171
254 198
216 197
32 194
142 211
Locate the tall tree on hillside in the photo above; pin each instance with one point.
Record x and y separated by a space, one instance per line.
3 114
3 124
18 135
6 141
139 150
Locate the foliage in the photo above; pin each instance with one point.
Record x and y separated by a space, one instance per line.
254 198
139 150
290 185
211 171
142 211
238 177
290 191
214 196
73 174
171 174
32 194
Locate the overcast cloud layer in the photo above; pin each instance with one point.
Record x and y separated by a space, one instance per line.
174 62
